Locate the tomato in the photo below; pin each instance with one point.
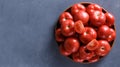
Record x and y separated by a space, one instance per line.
97 18
92 45
63 51
76 57
109 19
103 49
103 32
88 35
95 58
93 7
76 8
106 33
79 27
67 28
85 53
59 36
112 35
71 44
65 16
81 15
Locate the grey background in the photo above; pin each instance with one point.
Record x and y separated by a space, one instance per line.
27 33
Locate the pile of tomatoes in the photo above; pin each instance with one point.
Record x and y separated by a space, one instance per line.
85 32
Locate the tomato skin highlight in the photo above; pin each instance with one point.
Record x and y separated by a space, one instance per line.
65 16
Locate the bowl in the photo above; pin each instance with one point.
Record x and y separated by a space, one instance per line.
58 25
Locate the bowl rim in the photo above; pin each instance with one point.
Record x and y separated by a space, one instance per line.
105 11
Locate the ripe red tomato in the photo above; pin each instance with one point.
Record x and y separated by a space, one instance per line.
63 51
88 35
76 57
95 58
67 28
81 15
109 19
93 7
65 16
76 8
92 45
103 32
85 53
97 18
71 44
103 49
79 27
112 35
59 36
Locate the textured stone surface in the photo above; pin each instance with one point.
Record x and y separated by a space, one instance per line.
27 33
